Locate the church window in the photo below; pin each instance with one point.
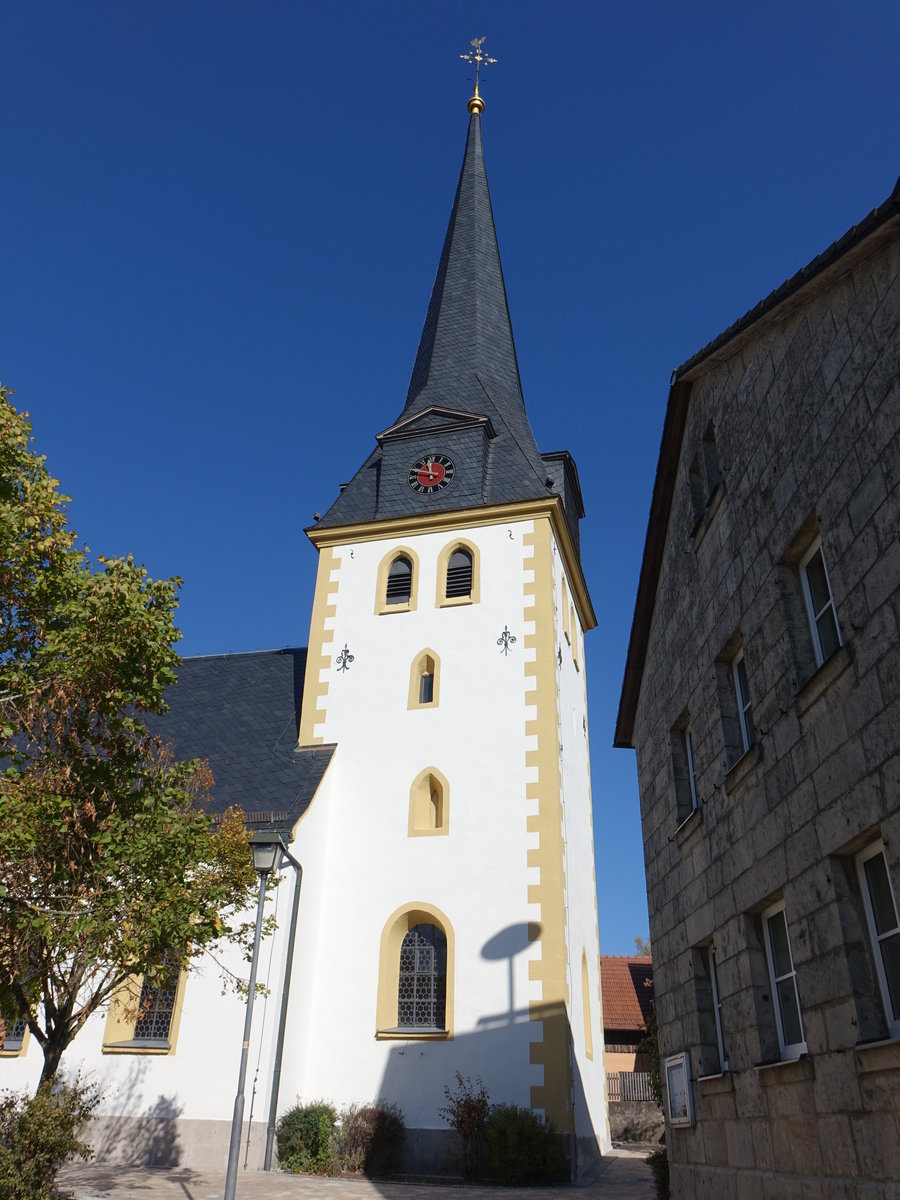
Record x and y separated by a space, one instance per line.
457 575
424 680
422 987
416 975
145 1013
429 801
15 1037
399 582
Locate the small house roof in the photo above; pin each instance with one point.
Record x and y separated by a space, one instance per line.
627 987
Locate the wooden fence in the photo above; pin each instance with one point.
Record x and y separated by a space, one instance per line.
625 1086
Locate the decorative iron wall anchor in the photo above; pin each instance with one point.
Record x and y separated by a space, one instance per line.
505 640
344 659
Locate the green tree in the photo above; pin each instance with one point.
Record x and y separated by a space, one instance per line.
109 867
642 947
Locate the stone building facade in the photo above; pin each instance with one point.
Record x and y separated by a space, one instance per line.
762 694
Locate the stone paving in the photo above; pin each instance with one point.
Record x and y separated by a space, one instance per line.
621 1175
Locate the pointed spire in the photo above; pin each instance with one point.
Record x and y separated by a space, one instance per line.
467 355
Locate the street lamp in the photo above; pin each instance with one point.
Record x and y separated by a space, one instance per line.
267 847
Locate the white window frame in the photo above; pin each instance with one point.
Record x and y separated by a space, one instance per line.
744 702
789 1050
812 615
717 1006
873 851
687 742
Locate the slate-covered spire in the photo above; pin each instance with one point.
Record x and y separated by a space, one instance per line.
467 354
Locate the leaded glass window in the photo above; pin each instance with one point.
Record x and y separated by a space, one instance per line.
422 992
156 1005
15 1034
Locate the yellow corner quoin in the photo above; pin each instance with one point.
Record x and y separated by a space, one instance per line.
429 804
315 688
552 1050
441 599
381 605
398 925
118 1035
473 518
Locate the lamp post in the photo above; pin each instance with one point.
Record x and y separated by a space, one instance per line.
267 847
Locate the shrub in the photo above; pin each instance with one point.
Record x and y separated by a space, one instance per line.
658 1163
306 1139
371 1138
466 1111
38 1133
518 1147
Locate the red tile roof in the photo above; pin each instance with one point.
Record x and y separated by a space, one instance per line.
627 985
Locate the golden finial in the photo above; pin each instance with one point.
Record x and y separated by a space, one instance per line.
477 56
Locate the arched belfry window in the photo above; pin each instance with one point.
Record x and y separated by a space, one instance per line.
458 574
422 986
399 581
425 680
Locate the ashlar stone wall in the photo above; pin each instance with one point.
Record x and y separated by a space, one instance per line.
795 435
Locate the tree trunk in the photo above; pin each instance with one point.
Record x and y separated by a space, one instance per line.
53 1052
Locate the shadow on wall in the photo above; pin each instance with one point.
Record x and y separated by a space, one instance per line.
506 1050
137 1135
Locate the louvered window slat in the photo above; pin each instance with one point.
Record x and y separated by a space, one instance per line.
459 574
399 582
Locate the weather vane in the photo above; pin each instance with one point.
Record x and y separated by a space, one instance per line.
477 56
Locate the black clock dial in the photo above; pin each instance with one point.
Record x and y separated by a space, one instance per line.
431 474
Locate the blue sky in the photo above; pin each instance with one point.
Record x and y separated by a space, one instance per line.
220 223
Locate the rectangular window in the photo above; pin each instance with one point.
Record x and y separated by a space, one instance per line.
156 1006
884 928
426 689
823 622
783 980
14 1037
716 1006
686 799
712 1058
744 703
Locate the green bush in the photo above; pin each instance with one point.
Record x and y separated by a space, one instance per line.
658 1163
371 1138
306 1139
37 1135
466 1111
518 1147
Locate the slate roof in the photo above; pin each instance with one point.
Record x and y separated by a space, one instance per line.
627 986
466 361
242 713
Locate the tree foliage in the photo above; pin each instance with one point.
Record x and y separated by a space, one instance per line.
108 864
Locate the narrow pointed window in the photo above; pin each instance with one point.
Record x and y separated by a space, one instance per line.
459 574
424 681
429 802
399 581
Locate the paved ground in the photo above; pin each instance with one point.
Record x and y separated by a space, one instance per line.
622 1175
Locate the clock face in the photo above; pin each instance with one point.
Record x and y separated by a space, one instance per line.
431 474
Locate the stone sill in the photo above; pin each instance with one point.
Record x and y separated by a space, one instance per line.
822 680
883 1055
742 768
714 1084
773 1073
713 504
691 822
413 1035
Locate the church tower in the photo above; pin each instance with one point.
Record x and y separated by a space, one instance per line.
448 920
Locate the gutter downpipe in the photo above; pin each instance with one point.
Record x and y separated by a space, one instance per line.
282 1016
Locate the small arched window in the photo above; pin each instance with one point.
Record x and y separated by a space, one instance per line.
424 680
429 804
399 581
459 574
422 986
